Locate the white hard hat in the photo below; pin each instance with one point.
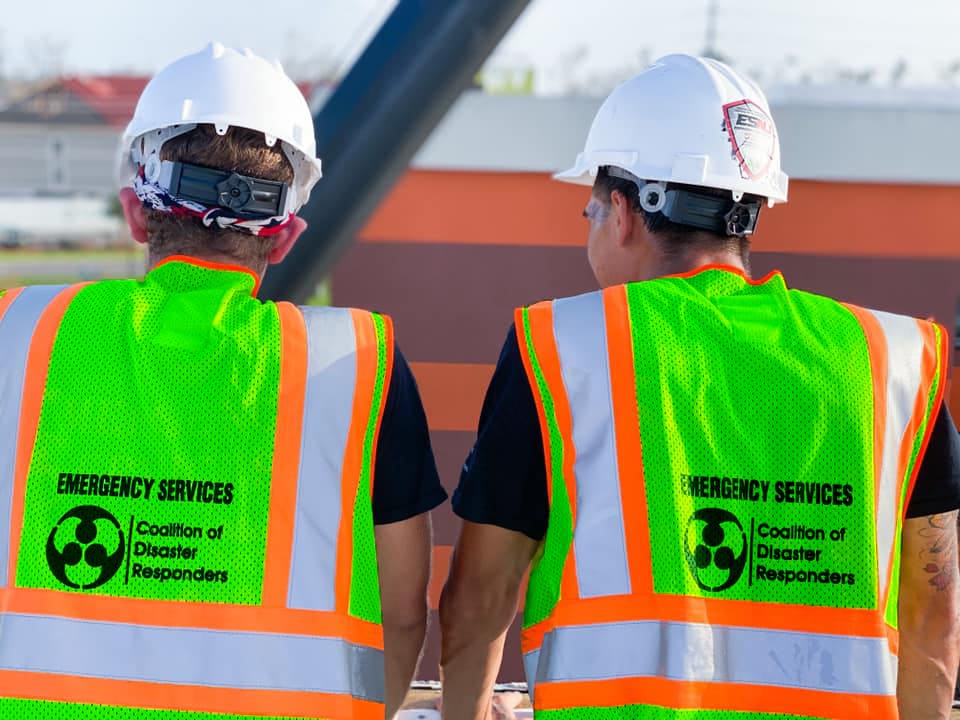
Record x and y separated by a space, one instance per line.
687 120
225 88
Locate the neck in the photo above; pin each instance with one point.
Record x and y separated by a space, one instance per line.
669 264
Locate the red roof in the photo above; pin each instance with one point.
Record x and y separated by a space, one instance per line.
114 97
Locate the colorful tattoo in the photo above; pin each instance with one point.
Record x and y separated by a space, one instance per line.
941 551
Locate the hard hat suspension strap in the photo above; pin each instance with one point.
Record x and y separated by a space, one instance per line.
714 213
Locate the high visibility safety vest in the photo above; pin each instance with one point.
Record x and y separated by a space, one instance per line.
728 465
186 524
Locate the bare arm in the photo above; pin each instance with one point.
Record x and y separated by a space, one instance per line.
403 558
477 606
929 619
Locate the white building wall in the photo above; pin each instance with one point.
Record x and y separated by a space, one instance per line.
36 158
840 134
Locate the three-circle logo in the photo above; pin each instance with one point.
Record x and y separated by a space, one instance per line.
85 548
716 548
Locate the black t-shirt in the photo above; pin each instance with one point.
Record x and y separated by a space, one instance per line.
504 480
405 479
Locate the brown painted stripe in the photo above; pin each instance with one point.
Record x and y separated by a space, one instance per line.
450 448
953 396
446 525
454 303
511 670
825 218
923 288
452 393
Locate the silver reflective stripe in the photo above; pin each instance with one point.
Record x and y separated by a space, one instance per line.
247 660
599 541
708 653
16 332
904 357
327 413
530 661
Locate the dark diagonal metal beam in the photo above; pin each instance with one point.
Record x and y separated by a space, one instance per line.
423 57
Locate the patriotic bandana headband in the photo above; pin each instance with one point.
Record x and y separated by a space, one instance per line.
155 197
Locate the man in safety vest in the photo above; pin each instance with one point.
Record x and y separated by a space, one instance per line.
212 506
739 499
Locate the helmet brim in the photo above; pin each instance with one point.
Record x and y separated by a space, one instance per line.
575 176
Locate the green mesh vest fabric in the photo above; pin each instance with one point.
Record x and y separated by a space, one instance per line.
43 710
126 452
654 712
365 586
747 443
132 490
543 588
739 402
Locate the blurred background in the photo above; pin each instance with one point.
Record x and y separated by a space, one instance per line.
866 96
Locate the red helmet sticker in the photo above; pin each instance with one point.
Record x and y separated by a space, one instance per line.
752 137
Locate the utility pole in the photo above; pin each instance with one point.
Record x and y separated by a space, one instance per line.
710 42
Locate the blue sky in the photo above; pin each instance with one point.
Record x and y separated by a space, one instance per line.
566 42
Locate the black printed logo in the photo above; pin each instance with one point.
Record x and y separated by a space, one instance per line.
85 548
716 548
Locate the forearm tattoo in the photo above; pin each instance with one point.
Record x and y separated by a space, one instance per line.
940 550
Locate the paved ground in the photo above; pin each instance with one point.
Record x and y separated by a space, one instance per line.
422 703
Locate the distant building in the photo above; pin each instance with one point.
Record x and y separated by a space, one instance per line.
60 137
58 144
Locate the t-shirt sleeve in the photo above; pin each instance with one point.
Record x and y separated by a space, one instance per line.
406 482
504 479
937 488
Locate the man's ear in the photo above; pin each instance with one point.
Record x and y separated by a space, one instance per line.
283 241
134 214
624 218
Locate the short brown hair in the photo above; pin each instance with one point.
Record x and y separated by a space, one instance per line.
239 150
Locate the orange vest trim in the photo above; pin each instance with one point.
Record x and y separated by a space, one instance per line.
236 701
629 444
202 616
7 300
877 343
541 330
735 697
366 339
210 265
680 608
38 361
286 456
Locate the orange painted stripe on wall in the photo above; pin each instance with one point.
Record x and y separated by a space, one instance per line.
452 393
821 218
481 209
